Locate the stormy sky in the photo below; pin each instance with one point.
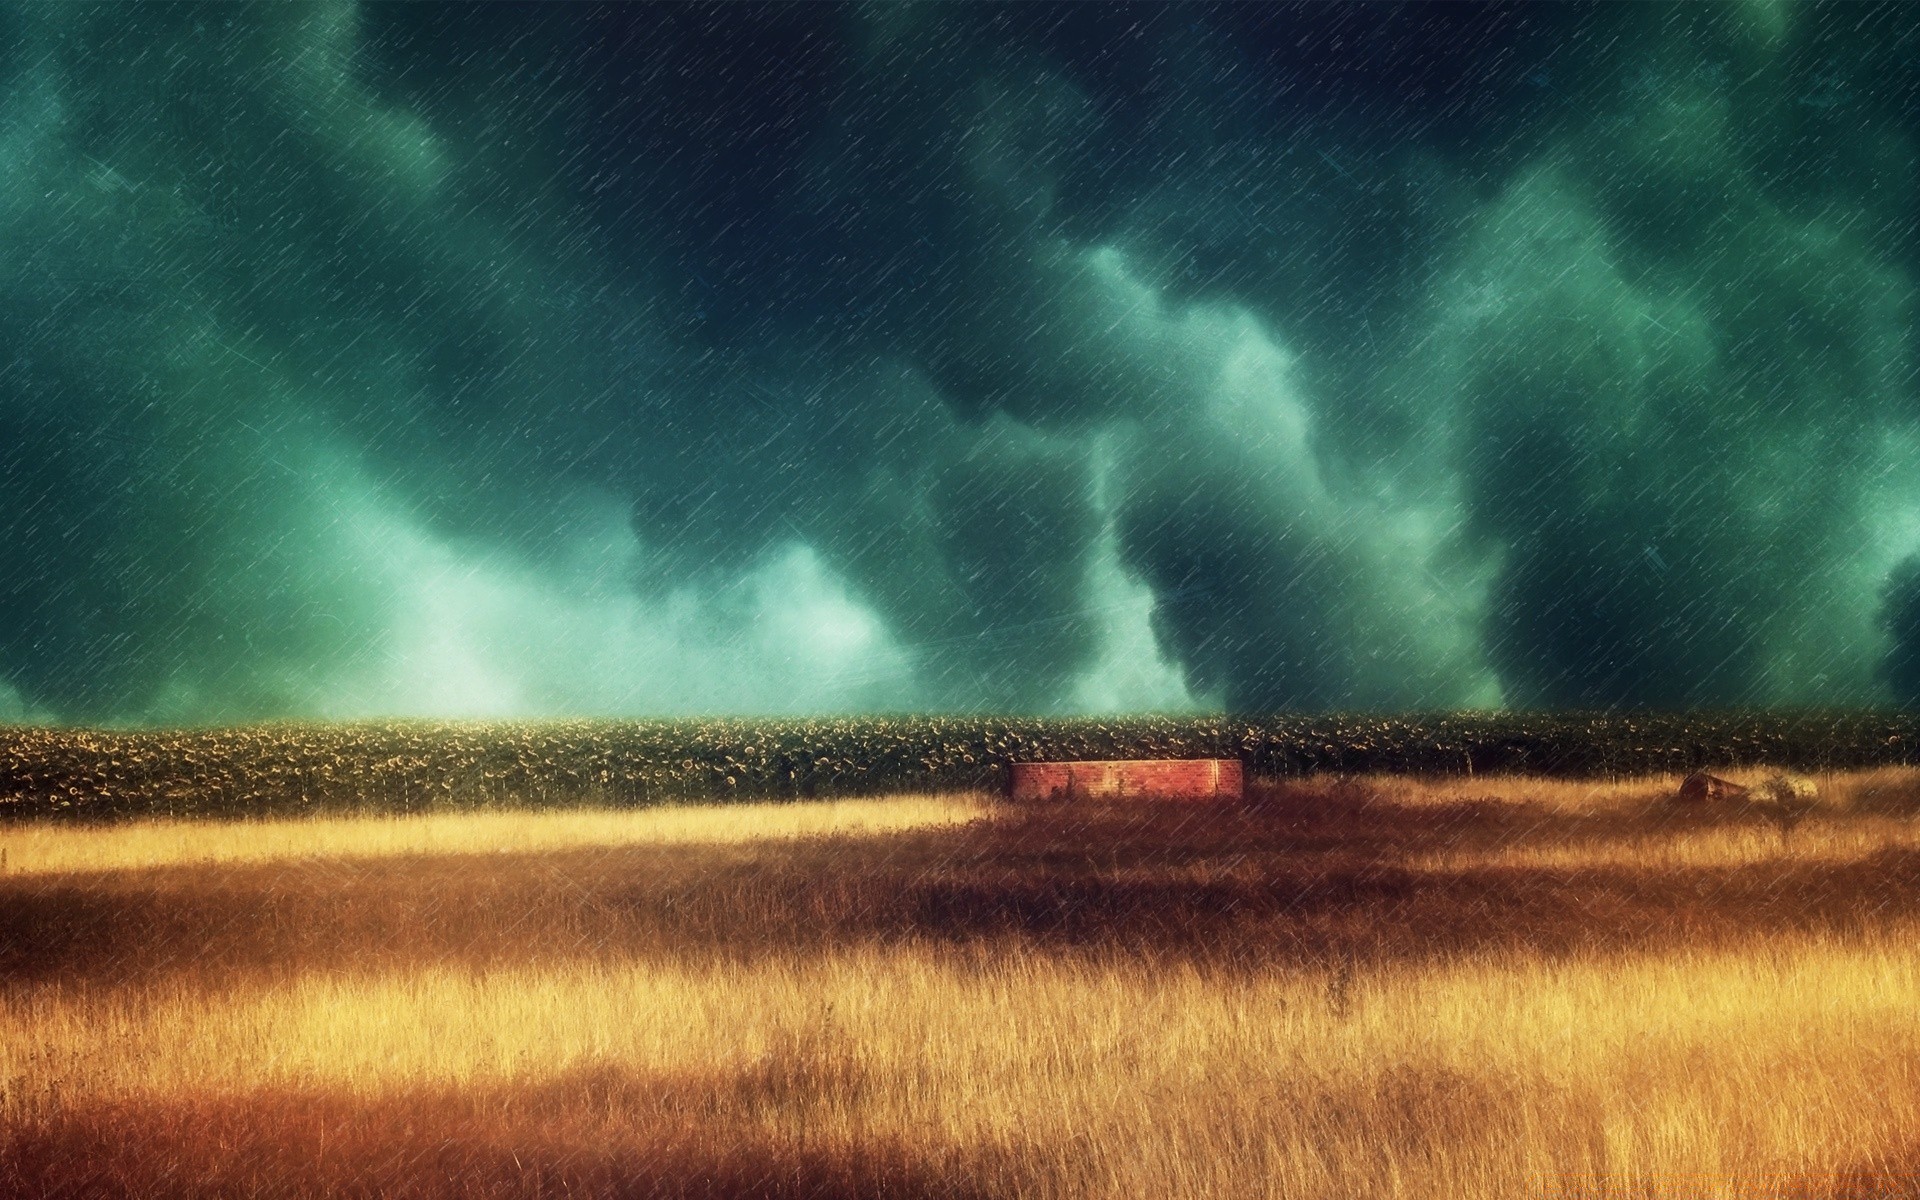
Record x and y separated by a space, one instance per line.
643 360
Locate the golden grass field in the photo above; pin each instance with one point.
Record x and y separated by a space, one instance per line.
1495 987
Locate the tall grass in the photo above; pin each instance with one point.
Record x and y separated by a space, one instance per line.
1477 1078
832 1018
46 848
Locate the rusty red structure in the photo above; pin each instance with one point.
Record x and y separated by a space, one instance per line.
1127 779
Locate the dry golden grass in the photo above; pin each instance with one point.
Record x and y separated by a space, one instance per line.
1840 791
1479 1078
1585 796
1857 815
1815 841
917 1013
42 849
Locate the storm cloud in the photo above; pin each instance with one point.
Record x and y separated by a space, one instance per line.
405 360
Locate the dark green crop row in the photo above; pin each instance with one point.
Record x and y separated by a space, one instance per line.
419 766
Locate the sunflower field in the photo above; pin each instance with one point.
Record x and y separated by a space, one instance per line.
419 766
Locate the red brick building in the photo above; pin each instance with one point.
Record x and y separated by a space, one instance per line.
1144 779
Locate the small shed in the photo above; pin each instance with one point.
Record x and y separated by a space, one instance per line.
1127 779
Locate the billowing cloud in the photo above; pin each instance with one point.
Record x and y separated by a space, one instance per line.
1042 359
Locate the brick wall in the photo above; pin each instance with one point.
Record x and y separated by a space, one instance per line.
1159 778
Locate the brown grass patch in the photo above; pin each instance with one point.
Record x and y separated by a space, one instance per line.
593 1133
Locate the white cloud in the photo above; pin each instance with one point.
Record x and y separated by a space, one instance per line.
470 633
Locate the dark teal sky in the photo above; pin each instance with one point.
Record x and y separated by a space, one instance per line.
554 360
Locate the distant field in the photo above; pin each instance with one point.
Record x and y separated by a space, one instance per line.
1347 986
425 766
